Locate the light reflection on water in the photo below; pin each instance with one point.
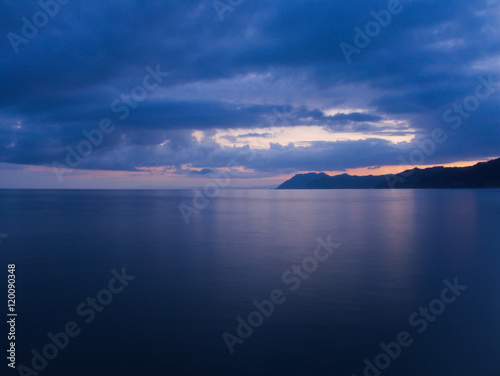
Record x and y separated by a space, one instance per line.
193 280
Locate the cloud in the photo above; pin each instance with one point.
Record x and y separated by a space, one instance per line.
204 171
267 64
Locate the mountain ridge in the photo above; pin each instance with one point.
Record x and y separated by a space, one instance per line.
480 175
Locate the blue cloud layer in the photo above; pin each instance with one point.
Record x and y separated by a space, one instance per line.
264 56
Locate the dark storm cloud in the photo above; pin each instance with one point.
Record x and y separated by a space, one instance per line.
354 117
91 53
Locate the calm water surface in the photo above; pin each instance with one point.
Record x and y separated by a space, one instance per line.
192 281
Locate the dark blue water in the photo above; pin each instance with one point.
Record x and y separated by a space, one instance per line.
193 280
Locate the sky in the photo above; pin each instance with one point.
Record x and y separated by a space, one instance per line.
173 94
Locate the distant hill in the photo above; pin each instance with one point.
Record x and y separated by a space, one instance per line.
302 181
481 175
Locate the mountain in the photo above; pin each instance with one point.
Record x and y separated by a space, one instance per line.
301 181
346 181
481 175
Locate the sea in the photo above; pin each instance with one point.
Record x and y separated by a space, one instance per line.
252 282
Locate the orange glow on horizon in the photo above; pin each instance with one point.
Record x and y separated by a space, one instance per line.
166 178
